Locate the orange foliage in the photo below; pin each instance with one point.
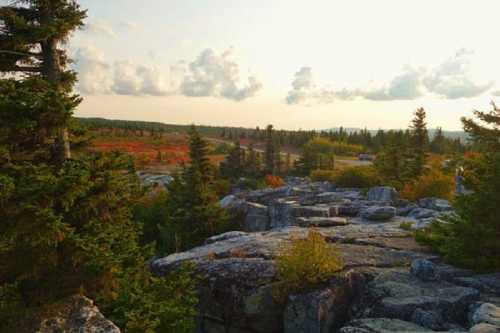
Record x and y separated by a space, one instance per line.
274 181
433 183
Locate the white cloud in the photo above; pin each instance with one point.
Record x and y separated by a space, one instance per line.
217 75
99 28
211 74
93 71
452 79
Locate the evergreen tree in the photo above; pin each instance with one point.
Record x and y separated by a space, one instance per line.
193 211
438 142
66 224
470 237
420 141
30 40
232 166
270 156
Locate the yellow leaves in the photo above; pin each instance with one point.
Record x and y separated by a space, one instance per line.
304 262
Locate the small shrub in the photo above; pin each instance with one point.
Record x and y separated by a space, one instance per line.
405 226
303 263
274 181
360 176
322 175
433 183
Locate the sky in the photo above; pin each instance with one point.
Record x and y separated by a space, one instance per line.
295 64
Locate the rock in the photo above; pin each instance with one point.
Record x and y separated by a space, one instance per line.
267 195
257 217
399 294
348 209
440 205
486 313
421 213
383 213
225 236
382 193
151 179
321 221
79 315
405 210
228 201
485 328
281 213
424 270
489 283
428 319
381 325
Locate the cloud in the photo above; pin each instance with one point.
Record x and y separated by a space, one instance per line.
217 75
451 80
93 71
99 28
210 74
496 93
302 87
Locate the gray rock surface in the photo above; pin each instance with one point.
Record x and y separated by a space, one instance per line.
485 328
381 325
398 286
440 205
382 193
486 313
79 315
425 270
376 213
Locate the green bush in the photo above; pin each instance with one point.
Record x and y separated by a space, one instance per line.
302 263
359 176
150 304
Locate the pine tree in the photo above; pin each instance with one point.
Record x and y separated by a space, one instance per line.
270 157
232 166
470 237
438 142
30 40
420 141
193 212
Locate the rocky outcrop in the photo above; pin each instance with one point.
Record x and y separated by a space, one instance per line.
389 282
377 213
293 204
78 315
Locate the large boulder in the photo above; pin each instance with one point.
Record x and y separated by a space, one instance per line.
424 269
440 205
486 313
397 294
322 310
422 213
377 213
78 315
256 217
382 194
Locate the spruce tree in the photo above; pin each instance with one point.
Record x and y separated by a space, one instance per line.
420 141
470 237
270 157
30 44
193 211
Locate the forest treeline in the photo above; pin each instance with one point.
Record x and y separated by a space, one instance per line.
371 140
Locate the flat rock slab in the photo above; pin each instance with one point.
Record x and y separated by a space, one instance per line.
398 294
381 325
321 221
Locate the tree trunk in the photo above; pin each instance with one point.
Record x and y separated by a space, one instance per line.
51 71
